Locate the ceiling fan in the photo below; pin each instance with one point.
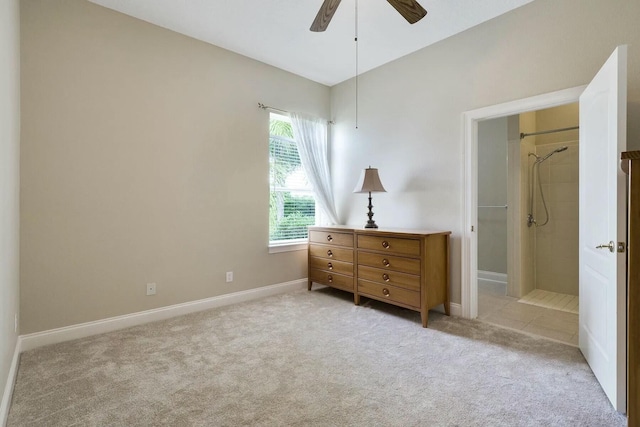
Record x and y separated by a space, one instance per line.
409 9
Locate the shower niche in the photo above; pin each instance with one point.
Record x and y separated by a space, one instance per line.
528 206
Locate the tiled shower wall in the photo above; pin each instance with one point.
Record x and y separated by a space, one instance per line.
556 243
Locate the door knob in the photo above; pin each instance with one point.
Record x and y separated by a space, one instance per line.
611 246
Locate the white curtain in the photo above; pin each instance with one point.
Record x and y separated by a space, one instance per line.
310 134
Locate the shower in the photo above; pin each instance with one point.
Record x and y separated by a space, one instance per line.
535 264
535 175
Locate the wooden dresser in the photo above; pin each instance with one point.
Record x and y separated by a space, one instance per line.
407 268
632 160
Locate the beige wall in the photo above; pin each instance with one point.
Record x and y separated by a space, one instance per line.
9 183
144 155
410 111
527 264
492 191
519 272
144 159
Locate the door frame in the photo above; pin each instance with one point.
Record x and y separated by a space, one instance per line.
469 258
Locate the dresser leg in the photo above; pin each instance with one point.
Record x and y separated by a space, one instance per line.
309 285
356 298
424 314
447 308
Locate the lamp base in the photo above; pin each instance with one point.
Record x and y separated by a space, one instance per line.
371 223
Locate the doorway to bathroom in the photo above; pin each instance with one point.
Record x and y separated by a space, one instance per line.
527 219
602 216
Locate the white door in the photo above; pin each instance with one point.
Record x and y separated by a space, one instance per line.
602 318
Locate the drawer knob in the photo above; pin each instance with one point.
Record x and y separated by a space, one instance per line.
329 238
329 253
330 266
385 262
330 278
385 292
385 244
385 277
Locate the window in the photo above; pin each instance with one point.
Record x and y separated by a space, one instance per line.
292 206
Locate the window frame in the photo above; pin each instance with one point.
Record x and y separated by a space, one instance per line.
278 246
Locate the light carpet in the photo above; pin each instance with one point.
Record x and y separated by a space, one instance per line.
309 359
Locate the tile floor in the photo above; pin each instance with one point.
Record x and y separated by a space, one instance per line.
497 308
553 300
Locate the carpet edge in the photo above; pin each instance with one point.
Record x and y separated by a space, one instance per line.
82 330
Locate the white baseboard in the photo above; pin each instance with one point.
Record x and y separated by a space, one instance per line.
68 333
11 380
492 276
82 330
454 309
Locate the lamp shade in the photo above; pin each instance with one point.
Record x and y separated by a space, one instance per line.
369 182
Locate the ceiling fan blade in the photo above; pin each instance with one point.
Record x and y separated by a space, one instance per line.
324 15
409 9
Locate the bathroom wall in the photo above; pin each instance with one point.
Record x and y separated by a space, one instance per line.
527 277
492 192
548 255
556 249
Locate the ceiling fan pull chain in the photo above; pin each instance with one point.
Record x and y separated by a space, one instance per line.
356 40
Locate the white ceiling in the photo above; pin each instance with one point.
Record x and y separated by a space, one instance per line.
276 32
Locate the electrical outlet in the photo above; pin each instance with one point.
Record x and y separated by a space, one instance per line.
229 276
151 288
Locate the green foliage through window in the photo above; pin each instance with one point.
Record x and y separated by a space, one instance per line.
291 201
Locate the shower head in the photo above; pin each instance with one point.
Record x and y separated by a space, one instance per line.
557 150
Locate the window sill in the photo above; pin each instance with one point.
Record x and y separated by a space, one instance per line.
287 247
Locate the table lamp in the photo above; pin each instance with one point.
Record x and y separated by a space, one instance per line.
369 182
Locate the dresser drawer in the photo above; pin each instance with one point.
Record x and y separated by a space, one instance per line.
331 252
393 245
389 293
408 268
386 277
331 265
331 279
387 262
330 237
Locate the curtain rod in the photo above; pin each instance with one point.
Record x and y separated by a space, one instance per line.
266 107
542 132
